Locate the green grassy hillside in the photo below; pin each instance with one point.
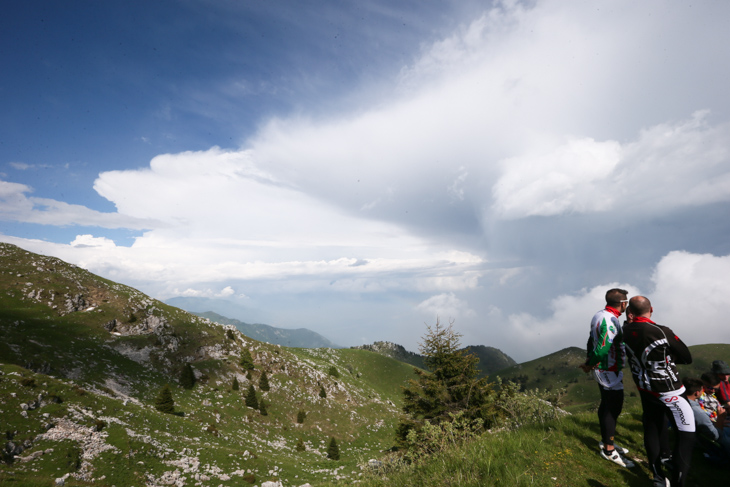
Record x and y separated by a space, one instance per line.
81 353
560 370
559 453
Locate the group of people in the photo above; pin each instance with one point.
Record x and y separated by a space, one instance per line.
690 405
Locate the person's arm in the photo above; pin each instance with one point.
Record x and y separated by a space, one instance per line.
704 425
680 352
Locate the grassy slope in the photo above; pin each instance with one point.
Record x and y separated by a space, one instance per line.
560 369
115 378
558 453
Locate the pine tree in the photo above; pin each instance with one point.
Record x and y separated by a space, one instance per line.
333 371
262 408
322 392
251 400
249 377
164 401
300 445
333 451
264 382
187 377
246 359
235 386
301 416
452 386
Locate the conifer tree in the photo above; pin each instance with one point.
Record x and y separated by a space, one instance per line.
246 359
452 386
235 386
251 400
249 377
164 401
300 445
322 392
333 371
264 382
262 408
187 377
333 451
301 416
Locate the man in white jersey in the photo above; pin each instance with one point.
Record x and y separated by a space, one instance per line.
605 357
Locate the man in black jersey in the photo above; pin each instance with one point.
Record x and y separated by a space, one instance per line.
653 351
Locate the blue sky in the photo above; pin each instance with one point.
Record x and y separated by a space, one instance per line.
360 168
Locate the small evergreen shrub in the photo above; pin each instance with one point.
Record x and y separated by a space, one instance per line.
262 408
301 416
187 377
300 445
100 424
333 371
264 382
27 382
322 392
333 451
235 385
246 359
164 401
251 400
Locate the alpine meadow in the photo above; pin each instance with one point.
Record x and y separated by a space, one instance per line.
102 385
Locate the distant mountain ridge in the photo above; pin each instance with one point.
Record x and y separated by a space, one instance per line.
393 350
298 338
490 359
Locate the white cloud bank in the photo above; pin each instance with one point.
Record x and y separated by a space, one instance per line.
553 109
671 165
691 295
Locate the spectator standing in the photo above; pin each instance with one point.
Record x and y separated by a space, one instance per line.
653 352
605 357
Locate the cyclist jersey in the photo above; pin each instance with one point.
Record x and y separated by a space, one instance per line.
605 348
653 351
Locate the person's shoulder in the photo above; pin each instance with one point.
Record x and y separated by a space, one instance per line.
599 313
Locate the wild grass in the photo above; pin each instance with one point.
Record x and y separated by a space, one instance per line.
561 452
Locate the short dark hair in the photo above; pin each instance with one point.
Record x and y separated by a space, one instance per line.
692 385
615 296
710 378
639 305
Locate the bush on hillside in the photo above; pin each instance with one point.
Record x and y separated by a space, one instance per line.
251 400
453 385
333 451
246 359
187 377
262 408
452 404
264 382
322 392
235 385
300 445
433 438
164 401
333 371
301 416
